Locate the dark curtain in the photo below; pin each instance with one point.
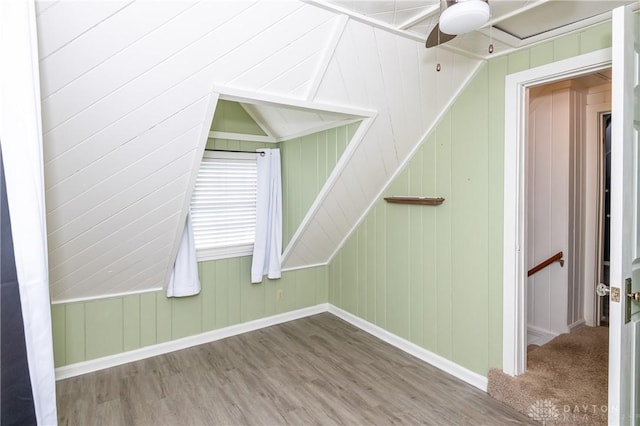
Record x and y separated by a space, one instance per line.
16 396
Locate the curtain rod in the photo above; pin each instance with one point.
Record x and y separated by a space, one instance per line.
230 150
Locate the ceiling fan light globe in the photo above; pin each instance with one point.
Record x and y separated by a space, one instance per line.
464 16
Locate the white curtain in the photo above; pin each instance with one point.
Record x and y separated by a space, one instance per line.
267 249
184 278
21 142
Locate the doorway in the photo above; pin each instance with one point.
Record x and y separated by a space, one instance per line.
578 164
566 238
514 265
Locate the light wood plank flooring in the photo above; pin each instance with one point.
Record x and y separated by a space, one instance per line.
316 370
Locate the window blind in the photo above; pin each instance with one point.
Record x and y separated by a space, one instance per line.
223 205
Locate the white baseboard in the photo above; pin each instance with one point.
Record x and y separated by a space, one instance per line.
419 352
539 336
429 357
85 367
577 325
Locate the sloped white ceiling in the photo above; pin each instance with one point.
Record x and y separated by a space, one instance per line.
127 100
128 92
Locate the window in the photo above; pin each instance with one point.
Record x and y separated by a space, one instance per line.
223 205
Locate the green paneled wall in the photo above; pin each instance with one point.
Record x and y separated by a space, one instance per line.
307 162
433 275
89 330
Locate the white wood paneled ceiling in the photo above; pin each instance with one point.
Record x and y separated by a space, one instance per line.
514 23
127 101
128 94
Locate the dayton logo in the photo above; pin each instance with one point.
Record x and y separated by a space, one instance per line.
543 411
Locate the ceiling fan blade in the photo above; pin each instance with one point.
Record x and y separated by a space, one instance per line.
433 40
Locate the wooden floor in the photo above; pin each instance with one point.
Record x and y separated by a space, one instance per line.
316 370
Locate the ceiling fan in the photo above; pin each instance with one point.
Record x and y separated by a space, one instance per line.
458 17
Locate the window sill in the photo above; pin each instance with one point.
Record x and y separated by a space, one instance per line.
219 253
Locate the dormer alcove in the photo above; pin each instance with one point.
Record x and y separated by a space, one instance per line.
311 141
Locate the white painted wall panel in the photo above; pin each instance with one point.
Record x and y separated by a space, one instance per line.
353 185
77 268
145 278
550 141
260 33
312 251
189 67
351 70
370 167
105 228
289 61
115 195
408 54
99 45
137 265
154 253
64 260
144 155
368 183
135 200
265 57
298 248
327 224
187 37
432 84
63 160
43 5
453 69
64 21
333 209
333 86
397 105
559 213
343 200
295 82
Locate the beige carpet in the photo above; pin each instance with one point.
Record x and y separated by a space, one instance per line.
565 382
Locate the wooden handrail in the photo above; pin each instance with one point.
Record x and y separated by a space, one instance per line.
555 258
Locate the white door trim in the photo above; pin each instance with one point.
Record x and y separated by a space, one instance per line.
514 267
